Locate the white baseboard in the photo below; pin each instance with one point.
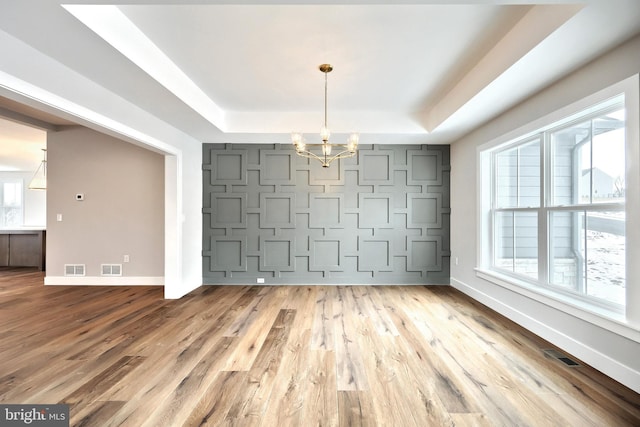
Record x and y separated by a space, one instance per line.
611 367
103 281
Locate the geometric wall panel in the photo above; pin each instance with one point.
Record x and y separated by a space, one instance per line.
325 255
277 167
374 255
425 167
277 254
227 253
423 210
277 210
228 210
227 167
325 211
423 254
381 217
376 168
374 211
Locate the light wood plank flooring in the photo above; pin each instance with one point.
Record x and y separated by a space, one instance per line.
288 356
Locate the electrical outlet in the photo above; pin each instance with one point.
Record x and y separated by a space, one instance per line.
126 258
456 260
260 280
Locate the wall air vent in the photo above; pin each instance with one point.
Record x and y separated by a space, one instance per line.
555 354
111 269
74 269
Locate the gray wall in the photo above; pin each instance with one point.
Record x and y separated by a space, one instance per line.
379 218
123 210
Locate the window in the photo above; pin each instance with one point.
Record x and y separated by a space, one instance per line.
515 213
10 203
555 212
587 206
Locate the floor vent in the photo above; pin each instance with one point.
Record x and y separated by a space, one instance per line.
555 354
111 269
74 269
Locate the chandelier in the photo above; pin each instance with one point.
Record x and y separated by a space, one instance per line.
39 179
325 152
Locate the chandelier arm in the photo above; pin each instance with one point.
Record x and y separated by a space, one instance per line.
310 155
342 155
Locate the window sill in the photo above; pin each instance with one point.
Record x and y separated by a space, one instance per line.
598 316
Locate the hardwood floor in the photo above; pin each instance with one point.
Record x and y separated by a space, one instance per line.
288 356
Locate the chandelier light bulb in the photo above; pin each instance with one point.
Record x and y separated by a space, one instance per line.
325 133
352 145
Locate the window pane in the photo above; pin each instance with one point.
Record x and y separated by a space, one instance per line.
503 238
518 176
566 252
517 242
12 194
11 204
588 161
507 178
526 231
609 158
587 253
571 151
605 241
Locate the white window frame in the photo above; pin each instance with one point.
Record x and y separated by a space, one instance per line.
624 320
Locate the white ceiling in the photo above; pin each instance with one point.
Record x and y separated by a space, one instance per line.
241 71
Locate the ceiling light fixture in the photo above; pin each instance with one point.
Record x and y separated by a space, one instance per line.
39 179
325 148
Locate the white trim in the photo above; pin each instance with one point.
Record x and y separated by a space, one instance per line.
613 368
29 91
103 281
176 286
611 321
632 105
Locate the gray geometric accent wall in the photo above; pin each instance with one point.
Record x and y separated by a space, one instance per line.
381 217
